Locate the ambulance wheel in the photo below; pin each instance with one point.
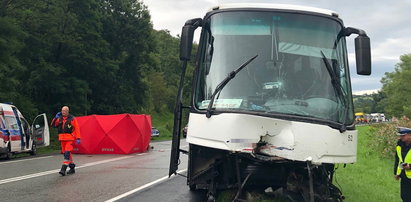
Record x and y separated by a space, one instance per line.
33 149
9 155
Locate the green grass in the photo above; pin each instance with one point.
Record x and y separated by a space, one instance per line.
164 123
371 178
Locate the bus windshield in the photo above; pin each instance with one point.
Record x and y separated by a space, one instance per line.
299 58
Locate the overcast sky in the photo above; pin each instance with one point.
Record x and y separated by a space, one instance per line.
387 23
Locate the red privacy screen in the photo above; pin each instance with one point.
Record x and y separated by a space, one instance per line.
113 134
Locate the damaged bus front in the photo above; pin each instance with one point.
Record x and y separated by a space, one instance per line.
272 103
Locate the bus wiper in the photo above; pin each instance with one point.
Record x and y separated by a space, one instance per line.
223 83
338 89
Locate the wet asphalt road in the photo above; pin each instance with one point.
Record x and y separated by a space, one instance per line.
172 190
134 177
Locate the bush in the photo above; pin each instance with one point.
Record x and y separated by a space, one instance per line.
384 137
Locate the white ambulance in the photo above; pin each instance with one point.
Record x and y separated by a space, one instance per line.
17 135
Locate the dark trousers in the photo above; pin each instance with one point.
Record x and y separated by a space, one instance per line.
406 190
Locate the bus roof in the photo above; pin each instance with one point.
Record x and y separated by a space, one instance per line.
275 6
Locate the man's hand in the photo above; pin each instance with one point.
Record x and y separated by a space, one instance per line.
406 166
397 177
78 141
58 115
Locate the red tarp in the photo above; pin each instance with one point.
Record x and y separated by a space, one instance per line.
113 134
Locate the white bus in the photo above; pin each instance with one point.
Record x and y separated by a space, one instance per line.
271 103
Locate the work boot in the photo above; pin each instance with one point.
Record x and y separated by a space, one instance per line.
63 170
71 171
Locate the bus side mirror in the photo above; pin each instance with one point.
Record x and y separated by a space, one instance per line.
362 50
363 55
187 35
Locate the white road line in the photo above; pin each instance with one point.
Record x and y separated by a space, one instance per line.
27 176
142 187
26 159
104 161
55 171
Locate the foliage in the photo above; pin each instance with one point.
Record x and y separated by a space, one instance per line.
164 123
397 88
384 138
98 57
163 78
394 97
371 177
363 103
11 37
369 103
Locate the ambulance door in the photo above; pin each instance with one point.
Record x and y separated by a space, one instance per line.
27 132
13 128
19 127
40 131
4 133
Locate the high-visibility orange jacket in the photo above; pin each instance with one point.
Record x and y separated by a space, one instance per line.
67 127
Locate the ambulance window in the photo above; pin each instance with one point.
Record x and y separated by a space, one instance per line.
2 124
12 123
25 124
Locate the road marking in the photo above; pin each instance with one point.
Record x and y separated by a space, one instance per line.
142 187
26 159
103 161
55 171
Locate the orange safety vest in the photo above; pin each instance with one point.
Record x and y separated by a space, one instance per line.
67 128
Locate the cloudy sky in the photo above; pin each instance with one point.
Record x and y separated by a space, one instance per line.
386 23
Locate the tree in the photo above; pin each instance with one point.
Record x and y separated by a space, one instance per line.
12 38
98 57
363 103
10 43
127 28
89 54
397 88
167 63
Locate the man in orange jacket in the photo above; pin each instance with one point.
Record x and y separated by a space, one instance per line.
69 132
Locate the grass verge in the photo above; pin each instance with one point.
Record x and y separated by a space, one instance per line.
371 178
